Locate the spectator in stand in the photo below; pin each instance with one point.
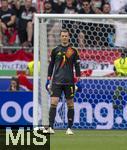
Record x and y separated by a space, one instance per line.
48 9
81 40
22 82
86 8
14 85
120 64
30 68
7 21
16 4
70 7
97 6
79 5
25 23
97 3
59 6
106 8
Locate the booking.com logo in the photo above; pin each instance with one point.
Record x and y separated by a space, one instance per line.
91 114
95 115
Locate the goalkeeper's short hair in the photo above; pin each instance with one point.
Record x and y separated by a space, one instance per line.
64 30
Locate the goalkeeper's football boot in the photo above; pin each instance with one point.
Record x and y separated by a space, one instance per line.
69 132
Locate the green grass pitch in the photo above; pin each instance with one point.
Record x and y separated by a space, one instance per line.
89 140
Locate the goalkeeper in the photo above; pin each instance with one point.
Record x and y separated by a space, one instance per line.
63 59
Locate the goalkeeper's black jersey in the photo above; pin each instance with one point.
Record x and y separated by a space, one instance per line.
61 67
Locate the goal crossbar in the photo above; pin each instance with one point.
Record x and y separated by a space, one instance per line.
88 16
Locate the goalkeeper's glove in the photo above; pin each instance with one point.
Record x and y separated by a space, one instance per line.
78 86
47 85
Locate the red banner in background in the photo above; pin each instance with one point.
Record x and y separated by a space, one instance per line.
100 55
15 61
20 55
93 62
98 62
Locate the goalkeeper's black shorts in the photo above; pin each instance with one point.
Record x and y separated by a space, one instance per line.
57 89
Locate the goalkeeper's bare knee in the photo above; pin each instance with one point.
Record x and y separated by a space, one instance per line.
54 100
70 103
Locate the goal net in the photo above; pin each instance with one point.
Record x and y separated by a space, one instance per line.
100 40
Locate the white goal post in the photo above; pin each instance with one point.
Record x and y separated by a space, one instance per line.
41 53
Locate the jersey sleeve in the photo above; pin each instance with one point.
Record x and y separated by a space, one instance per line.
77 64
51 64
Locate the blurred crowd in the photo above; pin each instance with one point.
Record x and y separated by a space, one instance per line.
16 21
85 6
17 16
77 6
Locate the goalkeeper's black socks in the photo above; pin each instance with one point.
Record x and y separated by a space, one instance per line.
70 116
52 115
